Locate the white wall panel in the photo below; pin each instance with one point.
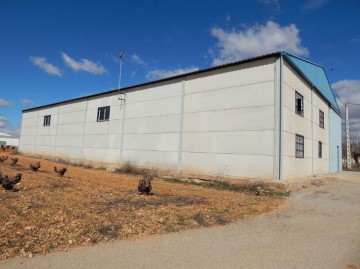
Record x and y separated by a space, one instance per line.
249 119
165 90
69 152
71 117
29 122
72 107
245 74
27 140
69 141
161 159
260 94
44 150
102 155
241 143
48 111
102 141
25 131
229 164
101 127
104 100
45 140
158 107
159 124
159 142
70 129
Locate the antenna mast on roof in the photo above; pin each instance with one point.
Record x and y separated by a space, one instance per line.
121 55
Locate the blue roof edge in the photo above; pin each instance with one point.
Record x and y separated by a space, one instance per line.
336 108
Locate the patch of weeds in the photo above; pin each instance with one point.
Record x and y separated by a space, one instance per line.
170 228
130 167
251 188
11 244
219 219
109 230
200 219
181 220
138 203
35 206
58 185
16 210
67 162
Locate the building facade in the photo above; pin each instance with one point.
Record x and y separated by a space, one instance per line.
270 117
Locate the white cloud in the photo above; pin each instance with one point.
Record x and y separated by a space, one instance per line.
7 127
159 74
274 3
254 41
27 102
45 66
314 4
349 91
83 65
137 60
5 102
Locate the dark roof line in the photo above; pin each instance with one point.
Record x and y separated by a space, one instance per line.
275 54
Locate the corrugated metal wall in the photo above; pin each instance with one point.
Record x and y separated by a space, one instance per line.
335 155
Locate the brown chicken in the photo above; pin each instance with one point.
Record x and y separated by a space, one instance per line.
61 172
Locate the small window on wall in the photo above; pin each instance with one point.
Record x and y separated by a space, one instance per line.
321 119
299 104
299 146
320 149
47 120
103 113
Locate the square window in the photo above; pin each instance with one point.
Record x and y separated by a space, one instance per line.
321 119
320 149
47 120
299 146
299 104
103 113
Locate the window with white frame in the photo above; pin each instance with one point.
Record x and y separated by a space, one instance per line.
320 149
47 120
103 113
299 104
299 146
321 119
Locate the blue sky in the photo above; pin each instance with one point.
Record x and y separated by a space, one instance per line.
56 50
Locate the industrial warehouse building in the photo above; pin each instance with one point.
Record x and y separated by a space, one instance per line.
270 117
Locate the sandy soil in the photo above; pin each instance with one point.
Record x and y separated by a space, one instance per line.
87 206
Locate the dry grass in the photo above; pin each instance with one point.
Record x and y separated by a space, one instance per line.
87 206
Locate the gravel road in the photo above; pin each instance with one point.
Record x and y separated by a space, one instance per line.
319 228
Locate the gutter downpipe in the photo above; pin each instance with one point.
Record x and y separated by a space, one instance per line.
281 117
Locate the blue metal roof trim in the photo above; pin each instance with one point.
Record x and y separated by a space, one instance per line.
316 75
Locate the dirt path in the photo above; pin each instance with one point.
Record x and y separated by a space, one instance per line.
320 229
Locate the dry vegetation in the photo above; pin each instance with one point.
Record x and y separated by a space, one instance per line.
87 206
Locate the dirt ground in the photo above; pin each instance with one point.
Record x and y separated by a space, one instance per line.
87 206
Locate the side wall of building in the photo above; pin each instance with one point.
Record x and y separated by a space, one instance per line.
335 150
218 122
307 126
